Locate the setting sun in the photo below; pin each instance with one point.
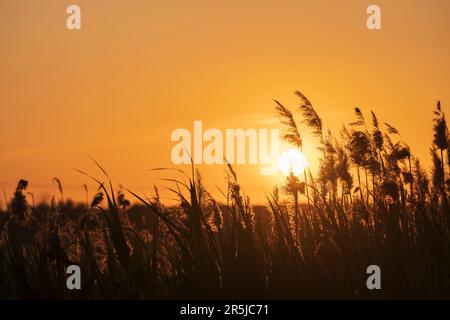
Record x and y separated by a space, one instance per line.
292 159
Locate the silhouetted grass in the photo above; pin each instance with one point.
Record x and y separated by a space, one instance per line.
314 239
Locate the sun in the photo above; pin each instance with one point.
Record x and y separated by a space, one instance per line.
292 159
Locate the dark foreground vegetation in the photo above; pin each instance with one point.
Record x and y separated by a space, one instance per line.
371 203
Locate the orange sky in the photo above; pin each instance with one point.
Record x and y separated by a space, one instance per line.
139 69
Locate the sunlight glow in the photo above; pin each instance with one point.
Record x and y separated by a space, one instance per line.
292 159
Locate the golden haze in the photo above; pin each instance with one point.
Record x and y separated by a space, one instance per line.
138 70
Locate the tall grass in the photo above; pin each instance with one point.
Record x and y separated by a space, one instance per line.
370 203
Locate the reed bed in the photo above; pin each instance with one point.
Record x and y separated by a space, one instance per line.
370 203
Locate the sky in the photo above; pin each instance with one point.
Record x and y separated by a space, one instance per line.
137 70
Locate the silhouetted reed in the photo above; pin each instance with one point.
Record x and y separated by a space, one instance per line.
371 202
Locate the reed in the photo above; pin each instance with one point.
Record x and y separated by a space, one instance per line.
314 239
